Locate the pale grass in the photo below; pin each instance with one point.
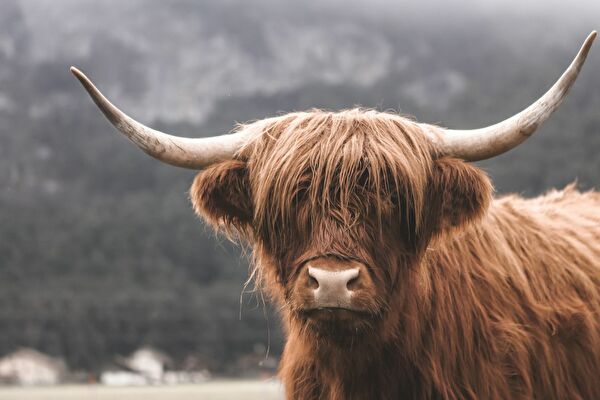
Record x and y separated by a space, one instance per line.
217 390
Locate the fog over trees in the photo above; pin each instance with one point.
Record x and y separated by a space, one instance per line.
100 251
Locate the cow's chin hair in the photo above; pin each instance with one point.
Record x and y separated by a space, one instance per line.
339 326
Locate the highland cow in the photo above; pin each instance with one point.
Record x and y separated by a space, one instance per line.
397 273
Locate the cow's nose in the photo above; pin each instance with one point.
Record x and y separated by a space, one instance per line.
333 286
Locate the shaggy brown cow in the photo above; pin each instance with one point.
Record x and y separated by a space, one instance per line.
397 274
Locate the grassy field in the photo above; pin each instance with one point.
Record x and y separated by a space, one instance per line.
218 390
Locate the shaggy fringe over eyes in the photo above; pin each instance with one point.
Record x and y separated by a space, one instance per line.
339 164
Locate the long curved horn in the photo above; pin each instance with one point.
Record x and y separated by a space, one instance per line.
194 153
480 144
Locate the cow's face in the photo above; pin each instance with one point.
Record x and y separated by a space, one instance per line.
339 209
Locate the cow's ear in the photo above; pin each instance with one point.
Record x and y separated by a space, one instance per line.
460 191
221 195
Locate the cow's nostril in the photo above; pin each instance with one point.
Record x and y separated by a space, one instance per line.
312 282
352 283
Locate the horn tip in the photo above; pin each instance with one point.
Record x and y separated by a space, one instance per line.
78 74
587 45
591 37
81 77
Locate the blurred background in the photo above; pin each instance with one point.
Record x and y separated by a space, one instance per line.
101 256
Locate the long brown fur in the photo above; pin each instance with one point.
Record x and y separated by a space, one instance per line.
475 298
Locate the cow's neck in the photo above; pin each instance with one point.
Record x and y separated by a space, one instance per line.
322 370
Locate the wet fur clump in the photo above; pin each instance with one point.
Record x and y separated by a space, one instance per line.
473 297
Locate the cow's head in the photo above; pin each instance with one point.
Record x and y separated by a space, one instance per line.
339 206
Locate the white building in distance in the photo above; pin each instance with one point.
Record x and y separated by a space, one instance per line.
30 367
